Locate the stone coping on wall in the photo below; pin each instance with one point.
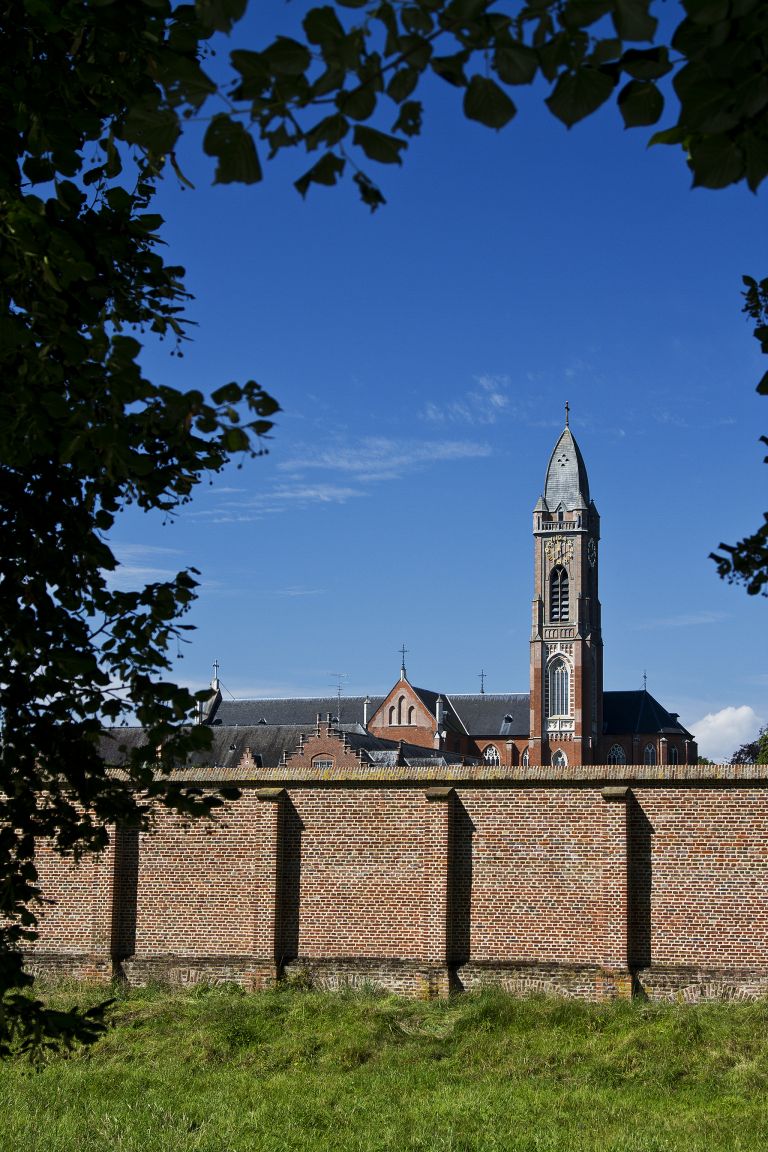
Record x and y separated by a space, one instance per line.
481 774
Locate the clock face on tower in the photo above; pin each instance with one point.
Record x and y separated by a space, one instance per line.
591 553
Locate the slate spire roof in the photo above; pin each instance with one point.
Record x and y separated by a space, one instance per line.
566 483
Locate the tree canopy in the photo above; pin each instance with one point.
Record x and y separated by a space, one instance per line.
95 96
754 751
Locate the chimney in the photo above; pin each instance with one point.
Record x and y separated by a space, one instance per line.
366 706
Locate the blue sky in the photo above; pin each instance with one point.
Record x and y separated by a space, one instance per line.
422 357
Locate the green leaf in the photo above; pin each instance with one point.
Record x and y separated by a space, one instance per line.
327 171
675 135
322 27
633 21
640 103
378 146
219 15
151 127
370 194
515 63
287 57
402 84
451 68
485 102
233 145
716 162
328 131
582 13
409 120
359 103
577 94
707 11
605 50
646 63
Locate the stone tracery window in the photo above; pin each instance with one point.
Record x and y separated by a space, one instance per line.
674 757
560 760
649 755
617 755
491 754
559 688
559 608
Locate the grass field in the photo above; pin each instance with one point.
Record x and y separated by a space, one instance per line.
213 1070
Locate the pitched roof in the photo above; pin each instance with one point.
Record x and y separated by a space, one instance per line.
295 710
487 714
637 711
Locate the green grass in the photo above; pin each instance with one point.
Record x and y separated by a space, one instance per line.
213 1070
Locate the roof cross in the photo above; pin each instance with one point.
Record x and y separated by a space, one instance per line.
402 650
567 410
481 678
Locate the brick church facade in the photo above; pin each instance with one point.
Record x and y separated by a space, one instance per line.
563 840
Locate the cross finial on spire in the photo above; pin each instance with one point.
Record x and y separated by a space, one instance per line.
645 681
567 410
402 651
481 678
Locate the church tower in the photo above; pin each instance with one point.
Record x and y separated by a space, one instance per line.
566 642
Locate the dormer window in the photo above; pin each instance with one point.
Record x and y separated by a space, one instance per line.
559 607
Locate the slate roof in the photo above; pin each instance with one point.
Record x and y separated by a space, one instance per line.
566 482
637 711
293 710
486 714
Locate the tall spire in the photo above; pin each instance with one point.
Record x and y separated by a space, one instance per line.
566 484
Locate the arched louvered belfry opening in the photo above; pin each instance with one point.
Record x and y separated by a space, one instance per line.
559 598
558 688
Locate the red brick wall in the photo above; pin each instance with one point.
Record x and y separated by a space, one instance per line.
584 871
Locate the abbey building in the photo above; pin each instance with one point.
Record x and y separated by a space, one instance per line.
566 717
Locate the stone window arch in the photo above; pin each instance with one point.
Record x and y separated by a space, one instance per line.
560 760
617 755
559 598
558 688
491 754
411 713
525 758
674 755
400 703
649 754
392 714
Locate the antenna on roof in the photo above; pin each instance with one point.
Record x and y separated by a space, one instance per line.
645 681
567 410
402 650
481 678
339 678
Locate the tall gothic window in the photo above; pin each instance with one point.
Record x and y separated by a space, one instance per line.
674 757
617 755
560 760
491 754
649 756
559 608
559 684
526 758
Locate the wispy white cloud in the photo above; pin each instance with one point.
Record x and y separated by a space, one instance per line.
483 403
298 592
719 734
376 458
142 564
